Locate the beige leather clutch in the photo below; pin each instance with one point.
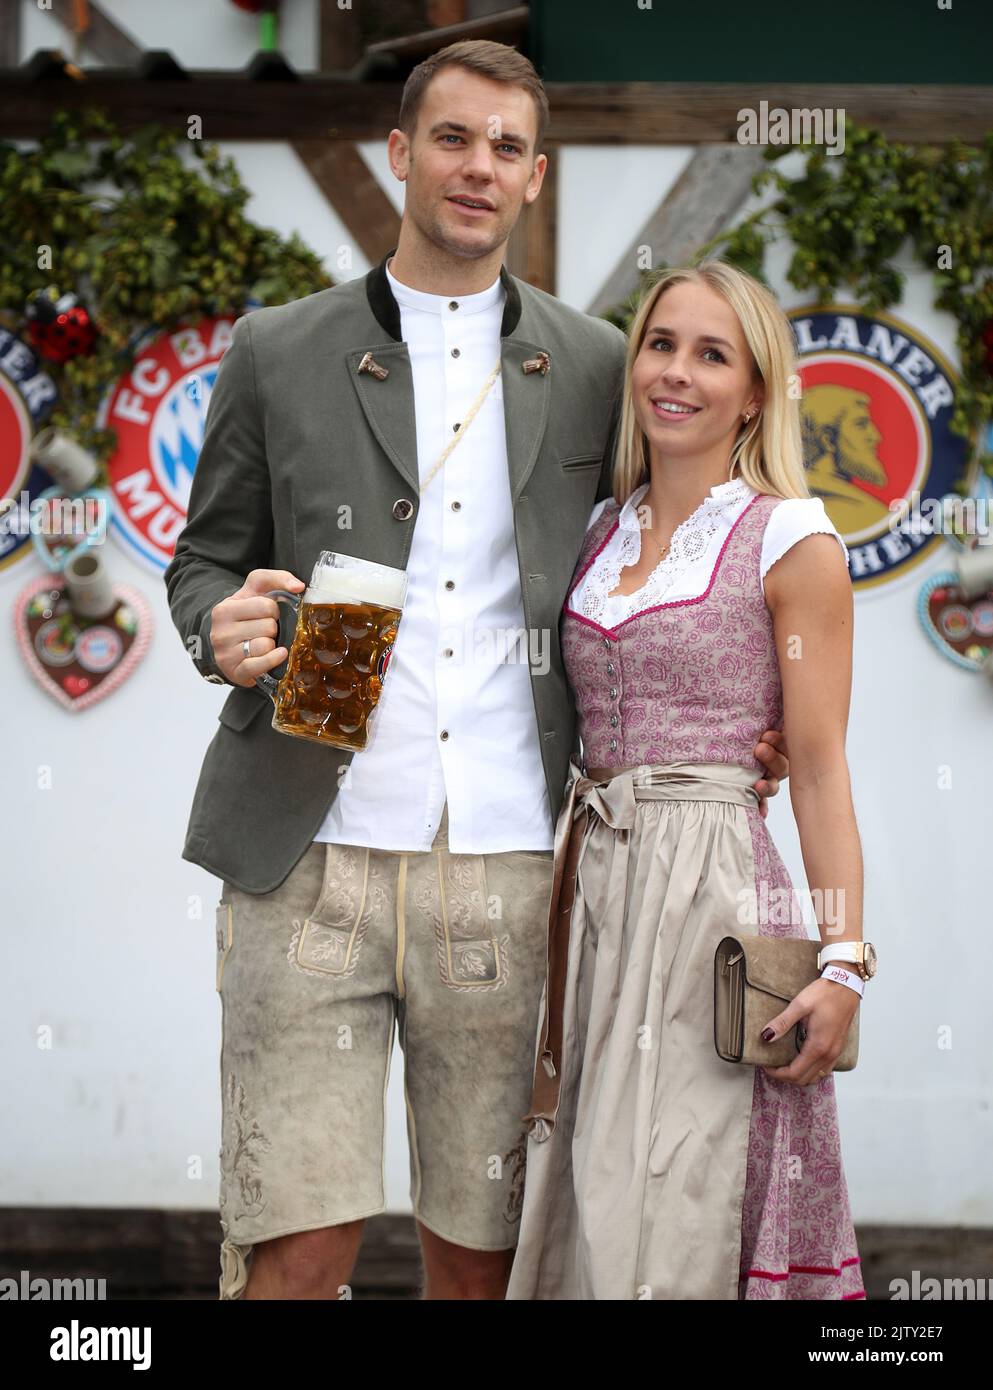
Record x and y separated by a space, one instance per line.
755 977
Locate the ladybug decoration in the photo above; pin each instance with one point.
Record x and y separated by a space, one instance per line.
59 327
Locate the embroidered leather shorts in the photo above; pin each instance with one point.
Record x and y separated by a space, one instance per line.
312 978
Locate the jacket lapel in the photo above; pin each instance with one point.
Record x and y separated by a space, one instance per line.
388 404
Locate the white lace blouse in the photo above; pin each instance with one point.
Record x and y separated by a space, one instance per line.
687 567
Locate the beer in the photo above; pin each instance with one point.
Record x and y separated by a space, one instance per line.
347 623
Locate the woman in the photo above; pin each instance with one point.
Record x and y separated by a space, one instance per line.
711 601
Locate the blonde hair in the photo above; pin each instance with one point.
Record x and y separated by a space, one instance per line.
768 450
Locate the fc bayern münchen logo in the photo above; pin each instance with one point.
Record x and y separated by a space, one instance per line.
26 395
158 410
877 406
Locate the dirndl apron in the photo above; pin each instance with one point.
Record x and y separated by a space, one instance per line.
637 1154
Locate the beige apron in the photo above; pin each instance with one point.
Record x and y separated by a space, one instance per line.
636 1162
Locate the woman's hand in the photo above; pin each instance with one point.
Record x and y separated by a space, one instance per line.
826 1009
771 752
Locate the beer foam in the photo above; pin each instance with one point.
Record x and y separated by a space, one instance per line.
370 583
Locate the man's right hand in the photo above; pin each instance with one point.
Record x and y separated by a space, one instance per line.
249 616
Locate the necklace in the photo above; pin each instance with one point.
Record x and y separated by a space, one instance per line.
664 548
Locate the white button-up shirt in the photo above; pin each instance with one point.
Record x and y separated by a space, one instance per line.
456 716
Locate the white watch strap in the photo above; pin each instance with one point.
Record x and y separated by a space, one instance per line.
841 950
844 977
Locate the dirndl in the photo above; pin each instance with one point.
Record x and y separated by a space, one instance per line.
639 1152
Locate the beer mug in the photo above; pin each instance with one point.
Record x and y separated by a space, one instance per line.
347 620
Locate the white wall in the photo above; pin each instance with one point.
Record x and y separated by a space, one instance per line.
99 941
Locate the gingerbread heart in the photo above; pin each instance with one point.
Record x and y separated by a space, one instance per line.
961 628
79 660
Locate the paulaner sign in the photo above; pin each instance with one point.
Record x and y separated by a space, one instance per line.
877 405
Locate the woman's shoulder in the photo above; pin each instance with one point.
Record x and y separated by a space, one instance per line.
791 519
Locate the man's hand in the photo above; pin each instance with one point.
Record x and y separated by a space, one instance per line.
249 616
771 751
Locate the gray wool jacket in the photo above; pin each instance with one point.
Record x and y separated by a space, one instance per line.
293 432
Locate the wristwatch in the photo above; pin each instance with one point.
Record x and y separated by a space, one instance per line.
860 954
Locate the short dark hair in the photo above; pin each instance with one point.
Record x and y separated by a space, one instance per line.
494 60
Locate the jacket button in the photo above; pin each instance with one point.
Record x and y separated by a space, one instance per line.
402 508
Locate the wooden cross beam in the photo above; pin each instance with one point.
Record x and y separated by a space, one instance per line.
701 203
10 35
647 113
342 175
104 38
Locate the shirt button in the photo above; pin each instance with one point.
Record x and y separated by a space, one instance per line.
456 428
456 506
443 735
447 651
613 721
613 692
613 745
606 641
610 668
453 304
456 353
449 583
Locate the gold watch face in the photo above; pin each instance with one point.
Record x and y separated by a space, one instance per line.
869 958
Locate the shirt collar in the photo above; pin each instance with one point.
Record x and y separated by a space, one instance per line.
723 495
409 298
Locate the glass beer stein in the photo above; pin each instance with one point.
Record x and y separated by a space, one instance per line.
347 620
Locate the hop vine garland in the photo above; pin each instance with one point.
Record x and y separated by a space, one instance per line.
148 238
848 217
149 229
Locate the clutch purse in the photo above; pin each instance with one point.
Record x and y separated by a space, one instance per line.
755 977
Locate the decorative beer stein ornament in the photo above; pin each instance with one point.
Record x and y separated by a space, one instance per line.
347 621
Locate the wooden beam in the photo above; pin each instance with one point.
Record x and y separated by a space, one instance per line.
506 26
531 247
104 38
173 1253
649 113
701 203
339 41
681 113
346 181
10 35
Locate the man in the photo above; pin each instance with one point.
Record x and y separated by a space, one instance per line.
410 882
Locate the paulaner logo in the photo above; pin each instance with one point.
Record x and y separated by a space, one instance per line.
876 411
794 127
